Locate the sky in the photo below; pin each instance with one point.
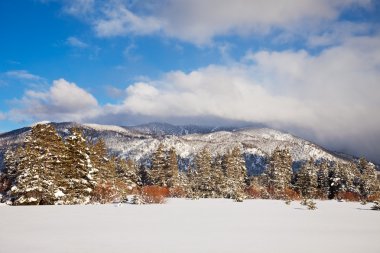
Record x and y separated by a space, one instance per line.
311 68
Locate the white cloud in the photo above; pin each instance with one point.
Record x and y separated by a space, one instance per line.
22 74
75 42
333 34
2 116
200 21
333 95
118 20
64 101
79 7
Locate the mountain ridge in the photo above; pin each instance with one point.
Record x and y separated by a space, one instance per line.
139 142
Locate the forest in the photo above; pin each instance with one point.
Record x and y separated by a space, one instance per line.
49 170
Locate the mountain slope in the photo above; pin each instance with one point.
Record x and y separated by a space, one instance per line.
139 142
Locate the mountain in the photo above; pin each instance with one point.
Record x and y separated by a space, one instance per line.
161 129
139 142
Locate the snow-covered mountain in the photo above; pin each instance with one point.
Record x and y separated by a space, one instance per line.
138 142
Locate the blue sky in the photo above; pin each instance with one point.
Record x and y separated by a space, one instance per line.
304 66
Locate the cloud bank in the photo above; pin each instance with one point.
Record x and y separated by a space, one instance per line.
63 101
331 97
199 21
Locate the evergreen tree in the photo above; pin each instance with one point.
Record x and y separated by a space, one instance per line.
323 179
218 178
12 158
307 179
171 168
191 176
158 173
368 183
128 172
235 172
144 175
341 179
279 171
37 168
104 166
80 176
203 179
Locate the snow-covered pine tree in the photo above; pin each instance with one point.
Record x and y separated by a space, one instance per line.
80 176
144 175
171 168
307 179
368 183
127 171
12 158
203 179
218 177
101 162
240 171
191 179
279 171
39 168
235 172
157 173
323 180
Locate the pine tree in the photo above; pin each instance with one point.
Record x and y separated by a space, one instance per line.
323 179
128 172
171 168
235 172
38 168
368 183
279 171
203 179
307 179
80 176
158 173
12 158
144 175
218 178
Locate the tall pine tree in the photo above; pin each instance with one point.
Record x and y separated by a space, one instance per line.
279 171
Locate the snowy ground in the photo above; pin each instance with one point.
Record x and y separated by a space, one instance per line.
191 226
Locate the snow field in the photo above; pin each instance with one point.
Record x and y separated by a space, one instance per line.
206 225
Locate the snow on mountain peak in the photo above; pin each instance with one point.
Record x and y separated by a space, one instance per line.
106 128
40 123
139 142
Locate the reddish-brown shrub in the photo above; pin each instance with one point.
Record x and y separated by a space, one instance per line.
177 192
321 194
291 194
254 192
154 194
125 189
105 192
349 196
373 197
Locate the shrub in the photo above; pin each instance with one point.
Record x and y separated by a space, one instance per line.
104 192
254 192
350 196
111 191
321 194
373 197
177 192
310 204
376 205
154 194
291 194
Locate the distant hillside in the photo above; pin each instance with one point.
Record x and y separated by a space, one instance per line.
138 142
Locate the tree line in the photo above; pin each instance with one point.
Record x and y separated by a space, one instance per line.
49 169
